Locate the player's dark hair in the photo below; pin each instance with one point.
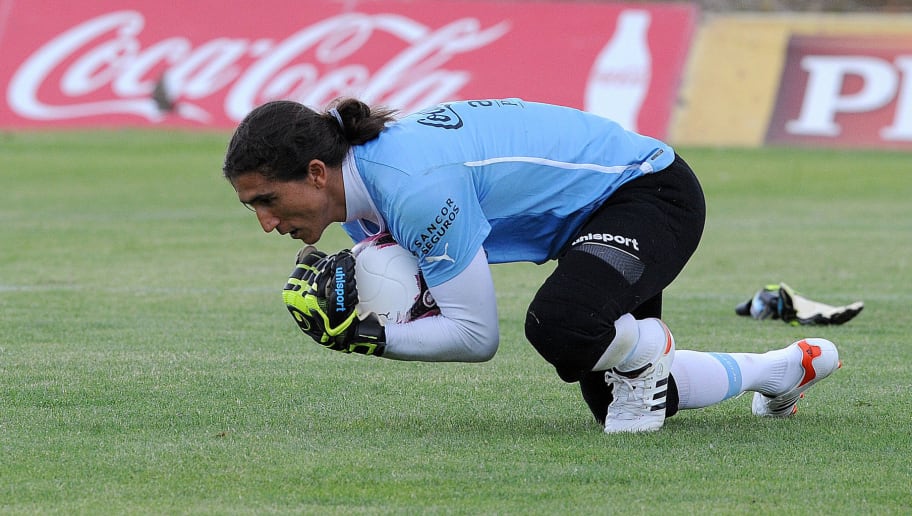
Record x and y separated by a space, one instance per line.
278 139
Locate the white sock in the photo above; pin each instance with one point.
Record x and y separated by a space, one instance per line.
705 379
637 343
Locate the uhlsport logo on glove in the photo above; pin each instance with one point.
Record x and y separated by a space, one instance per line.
340 290
322 297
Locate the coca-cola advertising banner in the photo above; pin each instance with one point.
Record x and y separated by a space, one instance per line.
846 91
207 63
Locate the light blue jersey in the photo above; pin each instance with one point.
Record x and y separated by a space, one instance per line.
518 178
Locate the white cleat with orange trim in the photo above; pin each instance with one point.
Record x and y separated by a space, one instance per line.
638 403
819 358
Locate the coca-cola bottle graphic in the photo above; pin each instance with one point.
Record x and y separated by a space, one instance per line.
620 76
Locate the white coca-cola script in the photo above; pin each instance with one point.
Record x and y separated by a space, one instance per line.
100 67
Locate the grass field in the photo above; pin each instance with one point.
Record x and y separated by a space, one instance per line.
148 365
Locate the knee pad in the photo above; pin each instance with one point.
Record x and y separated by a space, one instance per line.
571 350
571 319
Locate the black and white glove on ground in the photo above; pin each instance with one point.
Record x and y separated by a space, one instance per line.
782 302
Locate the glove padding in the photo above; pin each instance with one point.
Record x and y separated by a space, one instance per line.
321 295
782 302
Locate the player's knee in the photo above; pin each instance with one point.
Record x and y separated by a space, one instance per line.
570 342
550 322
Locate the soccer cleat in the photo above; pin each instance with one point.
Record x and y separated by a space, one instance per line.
638 403
819 358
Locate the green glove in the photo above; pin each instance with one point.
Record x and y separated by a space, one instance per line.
321 296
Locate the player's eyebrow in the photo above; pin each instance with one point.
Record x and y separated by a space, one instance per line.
259 198
263 198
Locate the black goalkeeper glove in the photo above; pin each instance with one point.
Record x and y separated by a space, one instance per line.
321 295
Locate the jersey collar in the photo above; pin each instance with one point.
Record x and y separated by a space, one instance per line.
358 204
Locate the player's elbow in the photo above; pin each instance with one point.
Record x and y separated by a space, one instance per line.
483 349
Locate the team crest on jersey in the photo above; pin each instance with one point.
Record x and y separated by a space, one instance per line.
441 116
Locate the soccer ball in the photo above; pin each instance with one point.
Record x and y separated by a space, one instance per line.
390 282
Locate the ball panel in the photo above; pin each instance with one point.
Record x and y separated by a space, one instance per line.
390 282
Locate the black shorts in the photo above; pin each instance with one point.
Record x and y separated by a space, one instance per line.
619 262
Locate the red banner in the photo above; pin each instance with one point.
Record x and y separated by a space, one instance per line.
845 91
209 62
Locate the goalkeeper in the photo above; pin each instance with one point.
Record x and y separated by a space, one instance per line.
465 184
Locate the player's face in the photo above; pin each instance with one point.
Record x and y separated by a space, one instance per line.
301 209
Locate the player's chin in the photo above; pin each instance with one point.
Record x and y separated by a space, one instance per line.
308 237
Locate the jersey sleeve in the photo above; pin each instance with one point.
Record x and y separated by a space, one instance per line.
442 224
466 329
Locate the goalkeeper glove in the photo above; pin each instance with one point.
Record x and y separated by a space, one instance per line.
764 304
782 302
321 295
797 308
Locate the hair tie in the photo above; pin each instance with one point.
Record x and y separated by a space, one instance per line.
335 113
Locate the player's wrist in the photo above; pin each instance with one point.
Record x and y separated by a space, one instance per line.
366 336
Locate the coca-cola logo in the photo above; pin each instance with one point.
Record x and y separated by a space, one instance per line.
100 67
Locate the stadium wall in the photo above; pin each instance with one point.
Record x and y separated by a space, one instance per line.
137 62
663 69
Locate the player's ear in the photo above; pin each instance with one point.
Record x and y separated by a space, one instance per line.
317 172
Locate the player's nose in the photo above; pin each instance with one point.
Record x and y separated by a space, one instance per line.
268 221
